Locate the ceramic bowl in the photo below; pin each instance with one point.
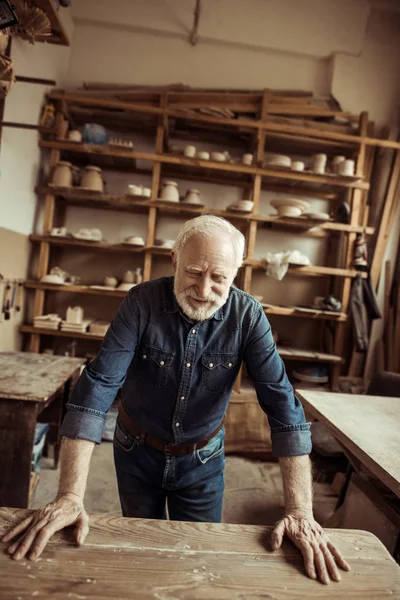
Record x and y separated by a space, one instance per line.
203 155
218 156
278 160
289 207
53 279
242 206
125 287
135 240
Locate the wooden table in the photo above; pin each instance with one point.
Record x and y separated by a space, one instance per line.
164 560
30 385
367 426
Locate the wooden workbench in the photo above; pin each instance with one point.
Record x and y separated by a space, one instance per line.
367 426
164 560
32 386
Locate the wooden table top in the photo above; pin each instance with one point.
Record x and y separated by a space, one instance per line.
368 426
34 377
164 560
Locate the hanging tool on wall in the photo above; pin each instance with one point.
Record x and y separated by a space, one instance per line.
7 300
20 291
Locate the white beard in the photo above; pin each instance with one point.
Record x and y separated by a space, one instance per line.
202 313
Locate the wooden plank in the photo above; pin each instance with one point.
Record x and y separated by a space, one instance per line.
309 313
165 559
386 221
313 270
74 243
59 333
307 355
365 425
34 377
288 175
74 289
237 123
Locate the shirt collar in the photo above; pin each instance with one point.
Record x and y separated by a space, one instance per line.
172 306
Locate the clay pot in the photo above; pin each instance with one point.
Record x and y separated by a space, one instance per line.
192 196
62 174
170 191
92 180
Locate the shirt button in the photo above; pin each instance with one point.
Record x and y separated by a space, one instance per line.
230 364
211 365
193 331
177 424
188 365
144 355
162 363
182 397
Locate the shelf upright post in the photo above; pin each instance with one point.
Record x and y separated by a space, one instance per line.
155 186
44 253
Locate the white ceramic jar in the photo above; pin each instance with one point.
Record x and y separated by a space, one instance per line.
62 174
170 191
297 165
247 159
91 179
192 196
319 163
74 135
336 162
346 168
190 151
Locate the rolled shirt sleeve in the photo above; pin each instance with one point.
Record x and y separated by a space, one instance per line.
290 433
101 379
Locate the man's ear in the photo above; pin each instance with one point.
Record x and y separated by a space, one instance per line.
174 262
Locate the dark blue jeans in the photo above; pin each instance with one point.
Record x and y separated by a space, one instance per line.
192 486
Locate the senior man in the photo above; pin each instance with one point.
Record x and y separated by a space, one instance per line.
175 348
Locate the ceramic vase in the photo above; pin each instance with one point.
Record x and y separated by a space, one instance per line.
91 179
62 175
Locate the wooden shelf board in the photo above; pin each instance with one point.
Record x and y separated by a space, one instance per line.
59 35
118 158
309 313
307 355
311 270
238 123
70 242
59 333
74 289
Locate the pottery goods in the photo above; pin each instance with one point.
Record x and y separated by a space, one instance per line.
319 163
192 197
336 161
298 258
289 207
218 156
242 206
76 327
58 231
346 168
111 282
49 321
74 135
129 277
164 243
91 179
146 192
138 275
120 143
125 287
278 160
62 174
135 190
170 191
99 327
134 240
190 151
56 279
74 315
318 216
297 165
247 159
203 155
91 235
95 134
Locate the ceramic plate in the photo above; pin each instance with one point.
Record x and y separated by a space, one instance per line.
84 238
316 216
237 209
291 202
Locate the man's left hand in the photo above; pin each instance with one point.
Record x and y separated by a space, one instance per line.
321 557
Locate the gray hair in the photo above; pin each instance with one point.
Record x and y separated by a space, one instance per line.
211 226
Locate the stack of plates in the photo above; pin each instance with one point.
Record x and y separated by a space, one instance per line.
50 321
99 327
76 327
278 160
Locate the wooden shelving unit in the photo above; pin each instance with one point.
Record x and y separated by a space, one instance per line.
259 122
59 35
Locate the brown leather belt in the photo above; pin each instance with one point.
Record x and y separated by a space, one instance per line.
168 449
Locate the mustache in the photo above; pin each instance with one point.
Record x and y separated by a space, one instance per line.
211 297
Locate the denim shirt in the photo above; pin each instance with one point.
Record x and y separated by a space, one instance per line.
177 375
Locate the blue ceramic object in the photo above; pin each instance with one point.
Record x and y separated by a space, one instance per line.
95 134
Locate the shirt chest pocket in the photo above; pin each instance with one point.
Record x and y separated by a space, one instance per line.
154 365
218 371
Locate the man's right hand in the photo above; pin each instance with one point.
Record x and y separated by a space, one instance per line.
36 530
